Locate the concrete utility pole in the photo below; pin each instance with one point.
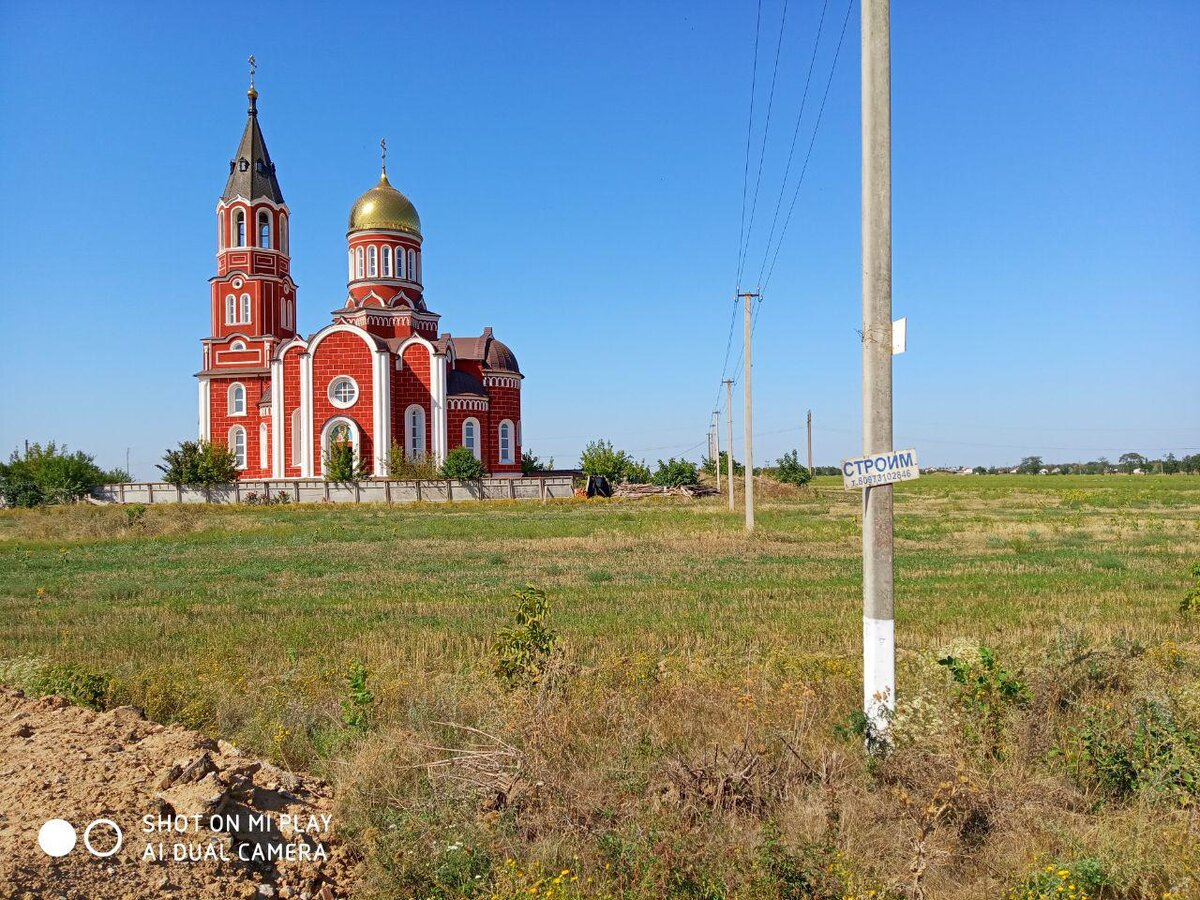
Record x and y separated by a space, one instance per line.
809 422
717 444
729 434
749 416
879 634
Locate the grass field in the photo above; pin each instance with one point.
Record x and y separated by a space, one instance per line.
693 734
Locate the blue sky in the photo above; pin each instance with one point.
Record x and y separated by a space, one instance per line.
578 168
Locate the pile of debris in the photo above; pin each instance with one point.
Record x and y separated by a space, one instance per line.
172 813
636 491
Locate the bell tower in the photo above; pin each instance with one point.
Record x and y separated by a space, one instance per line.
253 301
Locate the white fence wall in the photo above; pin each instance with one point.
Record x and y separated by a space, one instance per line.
312 490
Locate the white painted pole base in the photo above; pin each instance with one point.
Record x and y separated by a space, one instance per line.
879 673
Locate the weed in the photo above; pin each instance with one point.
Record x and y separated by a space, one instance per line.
1191 600
987 690
356 708
524 649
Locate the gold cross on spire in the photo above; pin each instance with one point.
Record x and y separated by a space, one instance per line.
253 66
383 153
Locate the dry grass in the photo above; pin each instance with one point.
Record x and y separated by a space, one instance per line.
685 746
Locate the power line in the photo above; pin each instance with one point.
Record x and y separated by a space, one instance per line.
749 132
811 143
795 134
763 152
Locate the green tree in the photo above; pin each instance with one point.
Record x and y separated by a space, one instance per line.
531 465
600 457
1030 465
675 473
49 474
461 465
709 468
1130 461
789 471
199 464
1170 465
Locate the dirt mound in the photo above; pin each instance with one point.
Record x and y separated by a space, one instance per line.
193 817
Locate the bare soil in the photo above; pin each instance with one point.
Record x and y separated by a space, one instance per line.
275 833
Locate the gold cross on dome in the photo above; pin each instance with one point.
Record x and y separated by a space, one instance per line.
383 153
253 66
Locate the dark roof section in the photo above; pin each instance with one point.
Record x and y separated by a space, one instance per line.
251 172
464 384
486 349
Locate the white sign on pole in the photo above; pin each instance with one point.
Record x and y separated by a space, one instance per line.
899 336
880 468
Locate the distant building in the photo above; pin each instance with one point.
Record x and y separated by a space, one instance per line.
379 373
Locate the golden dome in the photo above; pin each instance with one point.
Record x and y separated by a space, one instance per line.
383 208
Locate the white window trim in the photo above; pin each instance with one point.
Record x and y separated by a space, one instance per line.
245 319
234 432
263 462
385 261
358 262
297 437
476 449
237 345
340 404
258 226
231 307
372 261
354 438
505 460
401 267
412 449
238 213
230 407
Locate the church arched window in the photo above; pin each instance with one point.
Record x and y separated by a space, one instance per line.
237 444
264 229
386 261
245 307
414 432
237 345
412 265
506 441
470 434
400 270
358 262
237 399
339 431
230 310
283 234
372 261
262 446
239 229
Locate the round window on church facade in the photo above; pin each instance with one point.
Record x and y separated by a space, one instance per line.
343 391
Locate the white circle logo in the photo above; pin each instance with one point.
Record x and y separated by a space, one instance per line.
56 837
87 838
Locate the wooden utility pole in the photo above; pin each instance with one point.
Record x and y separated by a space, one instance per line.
729 433
749 413
809 422
717 443
879 632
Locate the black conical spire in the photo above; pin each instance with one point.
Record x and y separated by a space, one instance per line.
251 172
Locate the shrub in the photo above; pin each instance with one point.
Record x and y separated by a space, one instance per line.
601 458
988 691
266 498
404 467
1067 881
199 464
1146 748
49 474
523 649
461 465
531 465
789 471
675 472
340 464
708 467
1191 600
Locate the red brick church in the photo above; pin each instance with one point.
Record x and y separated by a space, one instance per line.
379 374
